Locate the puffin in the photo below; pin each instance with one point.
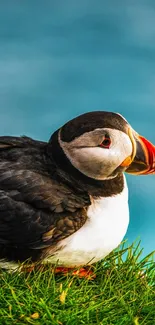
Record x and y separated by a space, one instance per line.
65 201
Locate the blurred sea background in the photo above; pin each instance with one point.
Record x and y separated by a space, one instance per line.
59 59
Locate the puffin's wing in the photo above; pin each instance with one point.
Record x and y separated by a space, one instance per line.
35 211
23 225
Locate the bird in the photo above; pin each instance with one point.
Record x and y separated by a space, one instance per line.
65 201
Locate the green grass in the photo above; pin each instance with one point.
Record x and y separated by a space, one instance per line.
123 293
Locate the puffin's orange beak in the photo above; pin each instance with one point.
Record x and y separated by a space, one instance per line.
143 158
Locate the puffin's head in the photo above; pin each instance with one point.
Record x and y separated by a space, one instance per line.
102 144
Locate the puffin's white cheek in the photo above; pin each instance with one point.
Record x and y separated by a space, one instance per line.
99 163
92 162
96 162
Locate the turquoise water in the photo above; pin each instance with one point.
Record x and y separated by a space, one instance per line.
59 59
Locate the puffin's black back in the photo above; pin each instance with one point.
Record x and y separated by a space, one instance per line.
36 208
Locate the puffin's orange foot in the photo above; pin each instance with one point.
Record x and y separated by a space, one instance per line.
85 273
81 273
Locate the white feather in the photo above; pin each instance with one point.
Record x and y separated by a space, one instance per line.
103 231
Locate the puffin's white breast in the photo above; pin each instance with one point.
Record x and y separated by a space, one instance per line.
103 231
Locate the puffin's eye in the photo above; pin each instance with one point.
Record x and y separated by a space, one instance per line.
105 143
